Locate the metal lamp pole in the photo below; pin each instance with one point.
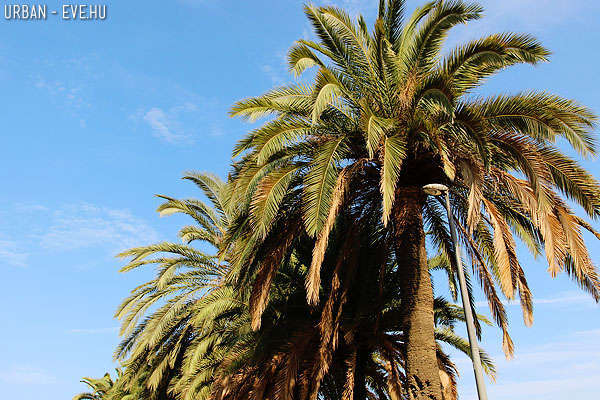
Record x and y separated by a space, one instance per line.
437 190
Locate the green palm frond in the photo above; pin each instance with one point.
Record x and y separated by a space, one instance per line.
319 183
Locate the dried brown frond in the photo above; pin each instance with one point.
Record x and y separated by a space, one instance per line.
350 371
313 281
268 267
526 299
473 177
504 246
496 307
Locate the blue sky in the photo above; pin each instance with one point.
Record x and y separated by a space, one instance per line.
97 117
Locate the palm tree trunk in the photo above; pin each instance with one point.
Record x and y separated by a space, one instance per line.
423 380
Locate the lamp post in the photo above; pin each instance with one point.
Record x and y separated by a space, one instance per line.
437 190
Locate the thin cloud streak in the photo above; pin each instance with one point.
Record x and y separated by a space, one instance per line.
30 207
87 225
94 331
25 375
537 15
11 254
175 125
163 125
556 370
567 298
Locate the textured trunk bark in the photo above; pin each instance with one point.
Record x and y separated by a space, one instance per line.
422 374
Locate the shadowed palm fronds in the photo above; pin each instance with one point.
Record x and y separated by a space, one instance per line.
387 112
191 333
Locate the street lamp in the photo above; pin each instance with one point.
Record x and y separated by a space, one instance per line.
437 189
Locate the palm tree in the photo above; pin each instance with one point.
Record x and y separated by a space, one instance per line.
189 281
387 113
106 389
198 341
99 388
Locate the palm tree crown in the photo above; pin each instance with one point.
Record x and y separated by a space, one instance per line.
387 113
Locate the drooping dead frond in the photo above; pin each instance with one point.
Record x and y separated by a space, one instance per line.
473 177
504 246
268 268
314 277
350 372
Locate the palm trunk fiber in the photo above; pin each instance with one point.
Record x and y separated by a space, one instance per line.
422 375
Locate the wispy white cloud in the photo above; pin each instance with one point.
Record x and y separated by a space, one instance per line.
276 67
12 254
94 331
537 17
535 13
568 367
273 73
556 387
216 129
170 124
69 83
568 298
30 207
32 229
86 225
594 333
163 125
25 375
69 92
74 85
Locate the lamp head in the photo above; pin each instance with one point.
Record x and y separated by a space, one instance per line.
435 189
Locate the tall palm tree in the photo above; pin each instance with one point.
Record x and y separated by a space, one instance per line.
197 341
99 388
106 389
387 113
188 283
